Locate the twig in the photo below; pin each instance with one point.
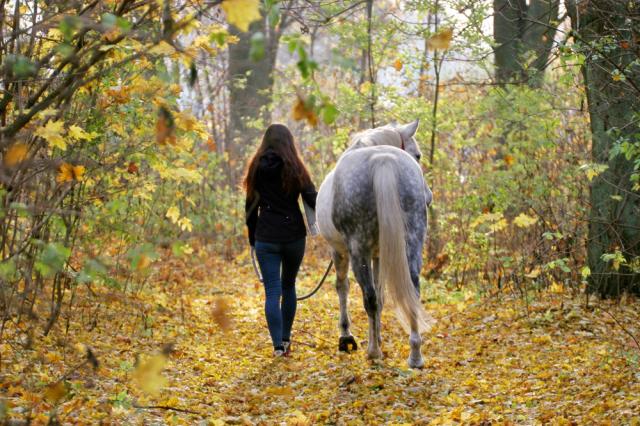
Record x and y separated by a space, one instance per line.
166 407
623 328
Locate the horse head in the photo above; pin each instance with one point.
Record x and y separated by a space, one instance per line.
409 143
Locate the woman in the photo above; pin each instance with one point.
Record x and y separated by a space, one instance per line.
275 178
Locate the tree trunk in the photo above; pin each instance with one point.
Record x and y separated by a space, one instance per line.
613 107
250 86
524 36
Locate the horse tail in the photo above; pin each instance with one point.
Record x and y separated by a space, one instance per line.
394 265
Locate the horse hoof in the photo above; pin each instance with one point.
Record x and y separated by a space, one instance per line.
416 363
347 344
374 355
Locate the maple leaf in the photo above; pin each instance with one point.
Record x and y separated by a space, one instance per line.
524 221
55 392
165 127
302 111
185 224
69 172
76 132
220 313
148 374
173 214
441 40
211 144
509 160
52 133
241 13
15 154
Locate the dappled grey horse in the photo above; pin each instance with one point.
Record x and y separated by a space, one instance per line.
372 210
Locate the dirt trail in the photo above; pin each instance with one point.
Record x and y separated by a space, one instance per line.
488 361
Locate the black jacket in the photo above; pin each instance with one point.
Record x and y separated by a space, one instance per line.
277 217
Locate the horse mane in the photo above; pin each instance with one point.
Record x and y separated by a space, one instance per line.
385 135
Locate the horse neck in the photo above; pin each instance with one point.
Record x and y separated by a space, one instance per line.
376 137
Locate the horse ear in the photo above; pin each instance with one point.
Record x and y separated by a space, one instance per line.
408 130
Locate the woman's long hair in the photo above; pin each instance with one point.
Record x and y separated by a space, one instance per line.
295 175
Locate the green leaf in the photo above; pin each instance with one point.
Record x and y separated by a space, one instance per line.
65 50
329 113
273 14
7 269
256 51
22 67
91 271
123 24
218 37
68 26
109 20
52 259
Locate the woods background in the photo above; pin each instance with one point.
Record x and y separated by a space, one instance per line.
126 125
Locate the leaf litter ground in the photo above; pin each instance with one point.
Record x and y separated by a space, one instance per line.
190 346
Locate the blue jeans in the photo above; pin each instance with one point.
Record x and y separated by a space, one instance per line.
279 264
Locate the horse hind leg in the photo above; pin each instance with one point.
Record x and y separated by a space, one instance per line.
361 266
415 340
346 343
380 294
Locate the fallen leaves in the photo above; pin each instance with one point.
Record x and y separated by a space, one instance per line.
496 361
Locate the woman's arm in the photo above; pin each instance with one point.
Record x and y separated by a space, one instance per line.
309 195
251 216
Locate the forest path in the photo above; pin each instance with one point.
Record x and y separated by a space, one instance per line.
489 360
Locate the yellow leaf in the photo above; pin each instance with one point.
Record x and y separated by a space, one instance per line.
397 65
298 419
300 111
535 273
163 48
592 170
541 340
241 13
441 40
15 154
148 374
509 160
76 132
52 133
69 172
279 391
220 313
524 221
143 262
173 214
55 392
185 224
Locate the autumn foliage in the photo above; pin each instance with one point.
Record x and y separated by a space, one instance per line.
127 293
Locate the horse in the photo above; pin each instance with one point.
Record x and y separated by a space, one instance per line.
372 210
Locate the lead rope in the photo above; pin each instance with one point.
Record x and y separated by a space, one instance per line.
306 296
